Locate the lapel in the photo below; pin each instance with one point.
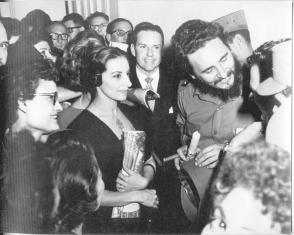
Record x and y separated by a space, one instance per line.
134 78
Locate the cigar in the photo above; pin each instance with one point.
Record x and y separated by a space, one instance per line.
170 158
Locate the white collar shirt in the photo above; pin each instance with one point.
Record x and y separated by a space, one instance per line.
142 76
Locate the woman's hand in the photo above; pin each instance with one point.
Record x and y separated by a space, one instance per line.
130 182
148 198
209 156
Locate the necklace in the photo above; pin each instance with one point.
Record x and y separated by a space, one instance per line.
119 123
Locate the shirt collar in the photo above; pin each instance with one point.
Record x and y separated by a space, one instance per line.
142 75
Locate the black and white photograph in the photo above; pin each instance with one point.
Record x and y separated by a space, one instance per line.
146 117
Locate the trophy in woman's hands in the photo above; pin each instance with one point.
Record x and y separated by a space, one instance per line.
134 151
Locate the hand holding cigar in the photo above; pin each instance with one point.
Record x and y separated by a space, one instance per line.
184 152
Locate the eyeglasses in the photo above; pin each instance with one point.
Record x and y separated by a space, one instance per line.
98 26
121 33
53 96
4 45
55 36
70 29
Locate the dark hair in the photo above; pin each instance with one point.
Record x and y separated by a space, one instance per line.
37 19
79 70
243 32
191 36
75 173
94 15
75 17
24 79
85 36
264 169
112 24
106 54
12 26
145 26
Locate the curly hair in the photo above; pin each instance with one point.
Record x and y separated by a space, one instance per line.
23 80
264 169
191 36
78 70
75 174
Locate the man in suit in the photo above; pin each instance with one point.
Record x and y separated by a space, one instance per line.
146 47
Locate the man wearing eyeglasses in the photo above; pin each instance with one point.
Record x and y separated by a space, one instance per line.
117 33
98 21
74 23
58 34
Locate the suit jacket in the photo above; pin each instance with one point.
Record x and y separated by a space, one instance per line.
161 124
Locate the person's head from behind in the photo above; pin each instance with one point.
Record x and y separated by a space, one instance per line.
3 45
238 35
203 54
147 42
84 37
32 98
119 30
77 182
98 22
74 23
35 20
58 33
252 191
13 28
78 69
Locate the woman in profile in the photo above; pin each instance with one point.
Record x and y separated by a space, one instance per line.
102 124
76 184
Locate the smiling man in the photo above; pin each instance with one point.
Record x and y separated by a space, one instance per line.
210 102
146 72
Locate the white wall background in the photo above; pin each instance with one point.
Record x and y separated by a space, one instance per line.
19 8
267 20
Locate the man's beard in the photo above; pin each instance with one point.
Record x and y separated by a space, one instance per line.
222 94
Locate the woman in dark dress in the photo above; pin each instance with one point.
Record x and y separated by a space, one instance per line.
102 125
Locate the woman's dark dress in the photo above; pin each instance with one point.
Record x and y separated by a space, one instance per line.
109 153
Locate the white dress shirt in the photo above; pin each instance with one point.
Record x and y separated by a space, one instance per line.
142 76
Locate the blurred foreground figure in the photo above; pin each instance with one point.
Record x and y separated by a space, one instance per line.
252 192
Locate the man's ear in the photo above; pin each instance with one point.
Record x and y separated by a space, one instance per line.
133 50
21 105
238 40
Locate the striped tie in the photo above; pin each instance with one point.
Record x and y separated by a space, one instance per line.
148 83
151 103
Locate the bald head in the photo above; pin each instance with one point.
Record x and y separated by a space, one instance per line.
3 44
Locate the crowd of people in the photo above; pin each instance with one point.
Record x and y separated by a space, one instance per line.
71 89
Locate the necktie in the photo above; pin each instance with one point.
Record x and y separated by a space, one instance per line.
148 83
151 103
